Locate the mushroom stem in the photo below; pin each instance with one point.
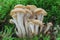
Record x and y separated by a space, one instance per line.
20 22
25 23
48 27
40 17
31 25
41 28
36 29
17 26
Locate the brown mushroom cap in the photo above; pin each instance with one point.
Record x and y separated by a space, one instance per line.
31 7
28 12
14 11
19 6
39 11
38 22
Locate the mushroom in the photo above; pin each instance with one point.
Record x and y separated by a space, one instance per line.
40 13
48 27
20 14
19 6
37 22
27 16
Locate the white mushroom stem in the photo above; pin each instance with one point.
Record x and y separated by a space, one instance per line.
36 29
41 28
26 23
40 17
20 22
48 27
18 32
31 26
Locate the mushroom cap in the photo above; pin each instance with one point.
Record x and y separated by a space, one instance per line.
39 11
19 6
28 12
15 11
38 22
31 7
50 24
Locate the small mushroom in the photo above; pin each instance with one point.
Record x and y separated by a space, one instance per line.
37 22
40 13
48 27
31 29
19 18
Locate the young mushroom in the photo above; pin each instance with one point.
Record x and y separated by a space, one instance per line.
48 27
20 14
36 22
40 13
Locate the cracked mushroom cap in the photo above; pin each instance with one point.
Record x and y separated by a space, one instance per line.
19 6
31 7
39 11
17 10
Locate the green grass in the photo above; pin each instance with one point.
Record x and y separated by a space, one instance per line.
51 6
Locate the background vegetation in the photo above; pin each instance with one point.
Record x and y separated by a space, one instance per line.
7 29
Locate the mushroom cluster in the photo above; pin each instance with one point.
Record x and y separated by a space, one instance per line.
28 19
